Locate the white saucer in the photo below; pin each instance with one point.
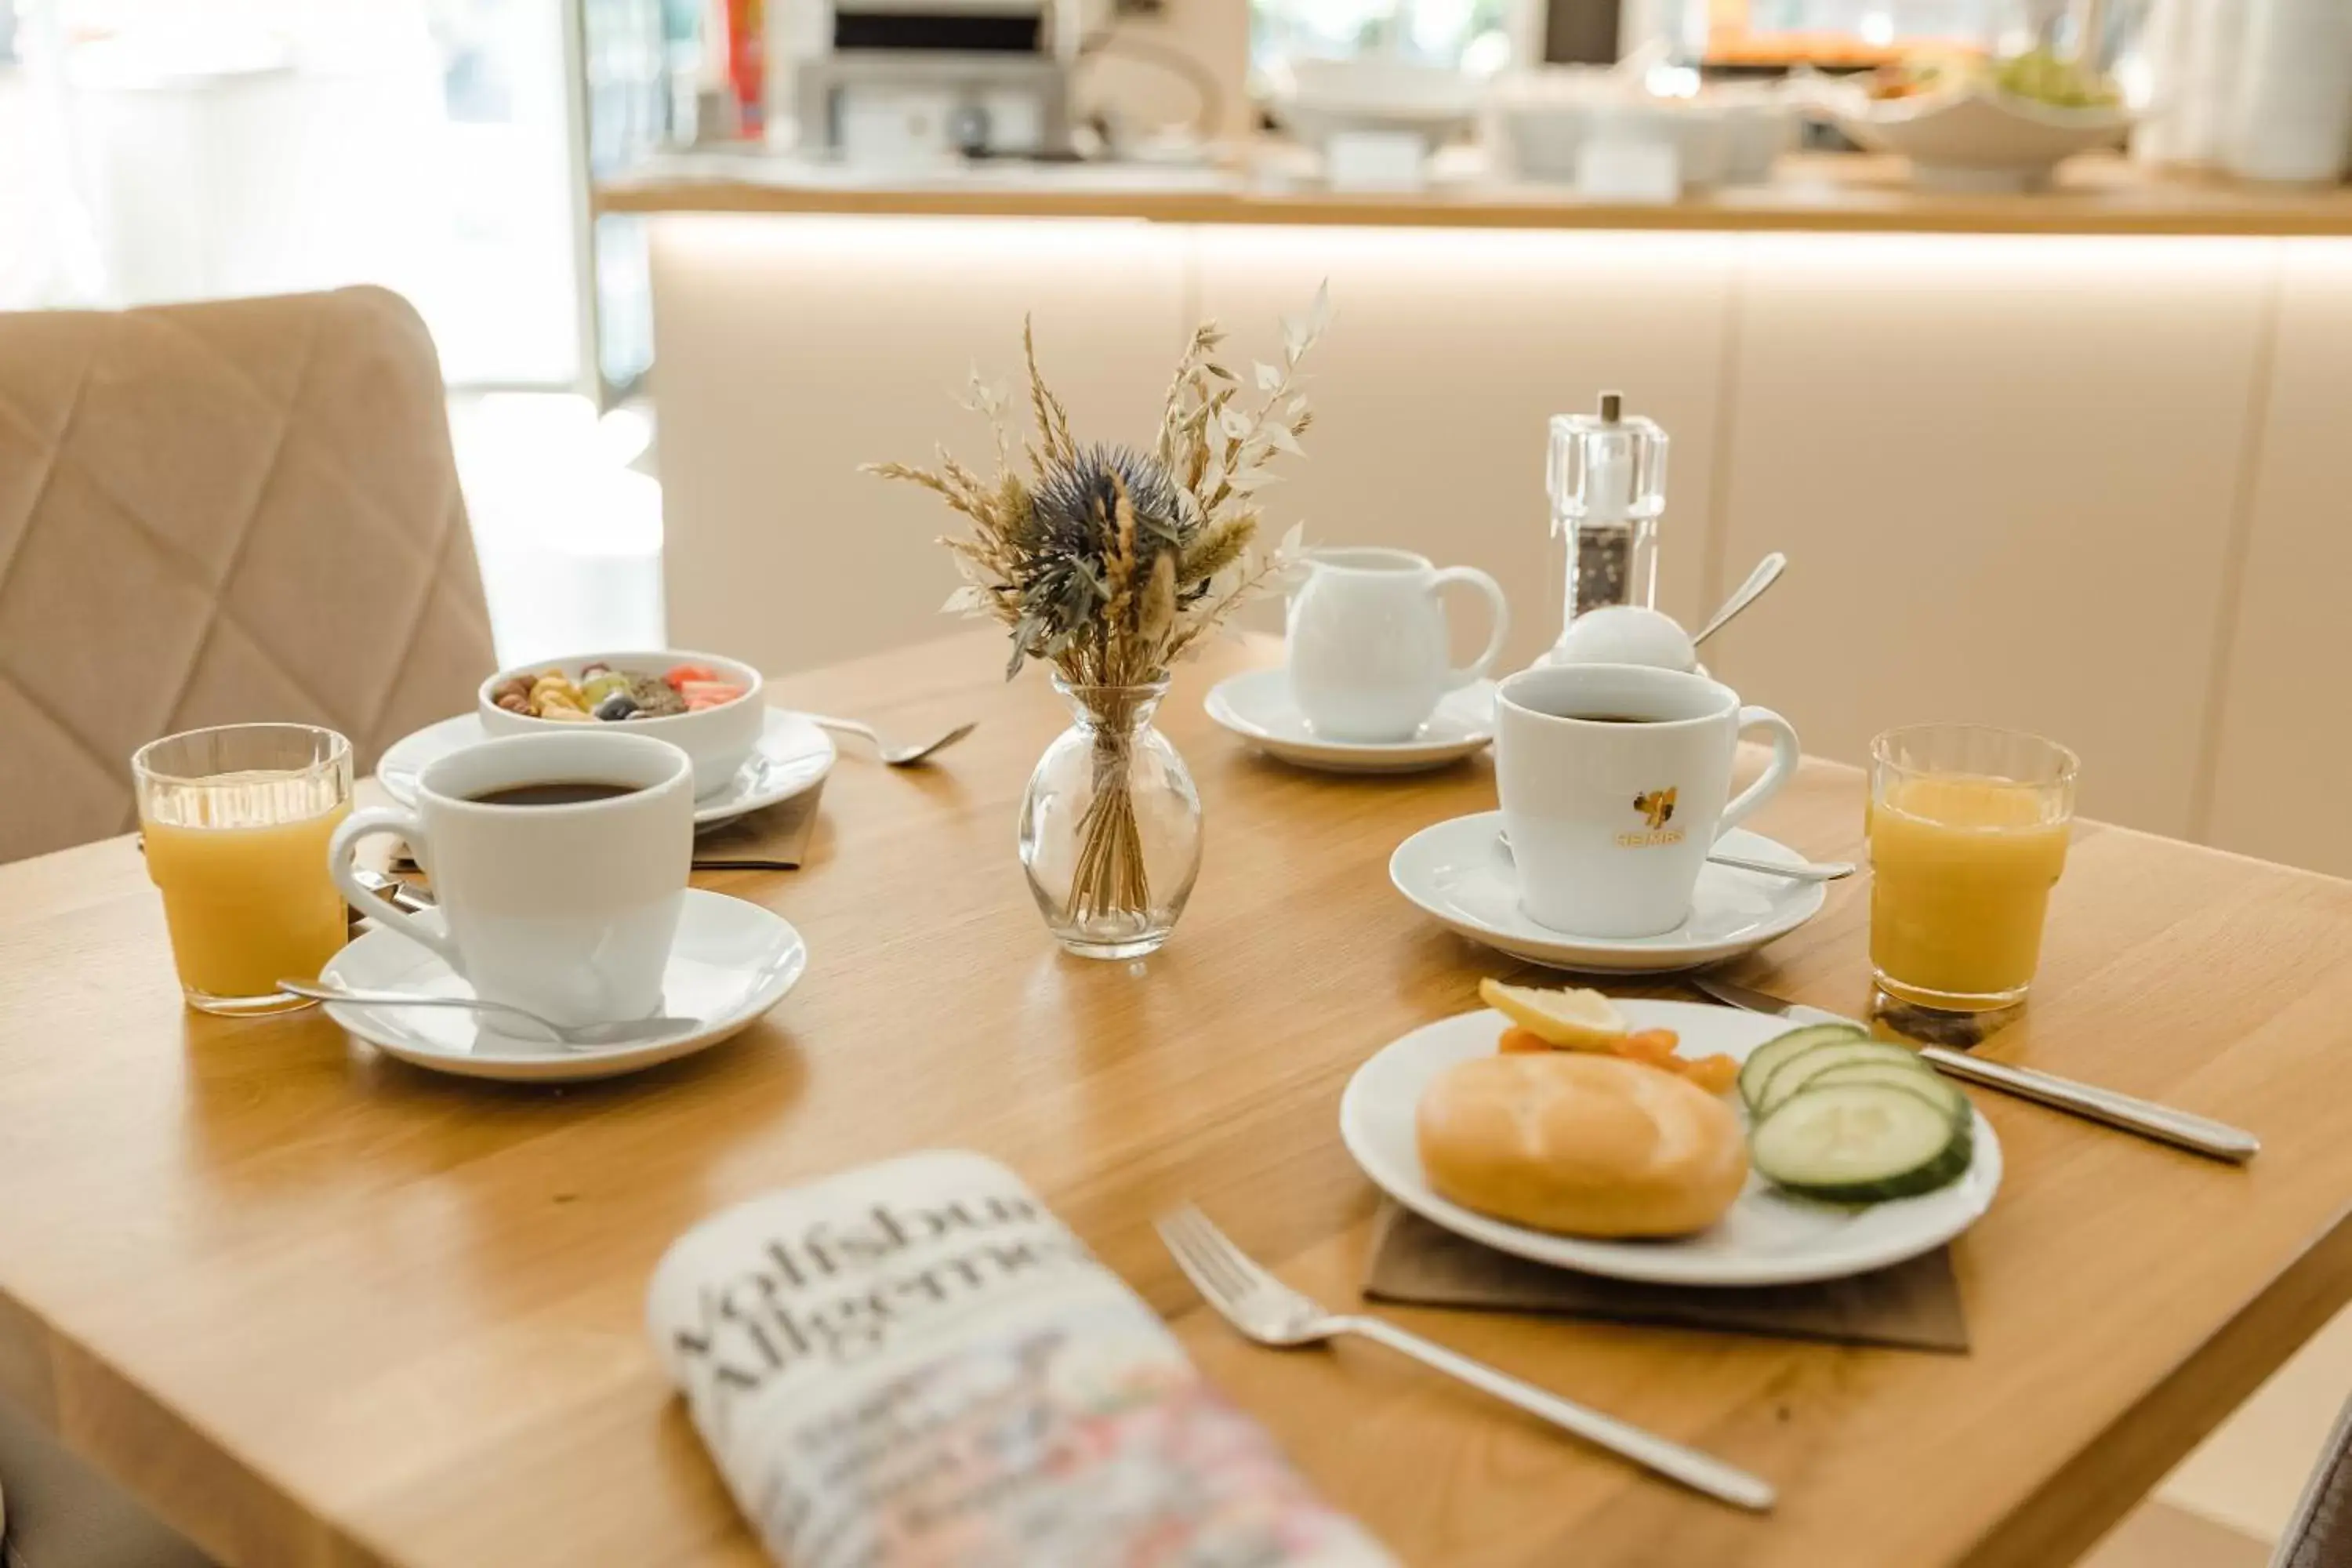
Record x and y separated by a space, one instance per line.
1768 1237
792 758
733 961
1257 708
1460 872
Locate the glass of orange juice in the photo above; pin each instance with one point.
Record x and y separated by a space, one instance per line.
1967 831
235 822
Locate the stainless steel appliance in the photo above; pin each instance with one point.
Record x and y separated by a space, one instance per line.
892 82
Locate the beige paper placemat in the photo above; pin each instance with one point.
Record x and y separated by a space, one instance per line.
775 839
1914 1305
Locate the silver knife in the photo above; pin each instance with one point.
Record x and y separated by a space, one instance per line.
2198 1134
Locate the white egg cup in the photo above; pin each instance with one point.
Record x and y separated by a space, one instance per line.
1625 634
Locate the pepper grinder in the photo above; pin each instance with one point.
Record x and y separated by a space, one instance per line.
1607 475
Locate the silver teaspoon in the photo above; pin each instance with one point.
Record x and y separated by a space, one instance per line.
1809 871
578 1036
1768 572
1802 872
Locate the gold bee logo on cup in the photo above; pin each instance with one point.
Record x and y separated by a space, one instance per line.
1657 809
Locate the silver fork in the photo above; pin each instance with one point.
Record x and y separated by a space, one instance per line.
1271 1313
896 756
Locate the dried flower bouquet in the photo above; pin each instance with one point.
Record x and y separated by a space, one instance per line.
1111 562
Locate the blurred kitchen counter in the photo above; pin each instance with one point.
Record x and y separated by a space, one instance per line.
2086 480
1817 193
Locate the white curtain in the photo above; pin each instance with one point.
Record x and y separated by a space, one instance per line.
162 149
49 255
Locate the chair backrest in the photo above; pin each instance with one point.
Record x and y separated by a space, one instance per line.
2319 1535
216 513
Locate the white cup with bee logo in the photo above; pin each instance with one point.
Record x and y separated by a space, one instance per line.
1615 781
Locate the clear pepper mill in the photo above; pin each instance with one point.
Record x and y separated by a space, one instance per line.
1607 476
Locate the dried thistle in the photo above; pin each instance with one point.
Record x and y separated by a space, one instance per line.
1073 558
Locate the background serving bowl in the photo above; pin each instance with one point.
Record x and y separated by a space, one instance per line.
717 739
1973 136
1537 123
1316 100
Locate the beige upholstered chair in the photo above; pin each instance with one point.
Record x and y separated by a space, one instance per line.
2319 1535
220 513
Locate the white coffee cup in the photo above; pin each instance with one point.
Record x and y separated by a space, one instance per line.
1615 780
568 911
1369 644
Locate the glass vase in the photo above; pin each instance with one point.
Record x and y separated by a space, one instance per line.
1111 826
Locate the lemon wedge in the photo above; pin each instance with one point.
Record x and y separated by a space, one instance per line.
1574 1020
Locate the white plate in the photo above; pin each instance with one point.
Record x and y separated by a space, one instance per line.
1766 1238
792 758
1257 708
733 961
1460 872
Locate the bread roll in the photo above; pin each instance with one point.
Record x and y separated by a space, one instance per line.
1581 1145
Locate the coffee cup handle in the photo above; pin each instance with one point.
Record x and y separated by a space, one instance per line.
366 824
1478 668
1785 755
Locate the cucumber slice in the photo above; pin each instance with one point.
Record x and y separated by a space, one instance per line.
1764 1059
1860 1143
1794 1072
1913 1076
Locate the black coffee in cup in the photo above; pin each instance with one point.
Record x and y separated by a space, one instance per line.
1570 710
553 792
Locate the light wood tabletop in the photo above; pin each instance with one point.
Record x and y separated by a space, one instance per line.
1812 192
315 1307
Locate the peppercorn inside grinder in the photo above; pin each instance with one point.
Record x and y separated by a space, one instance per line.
1607 475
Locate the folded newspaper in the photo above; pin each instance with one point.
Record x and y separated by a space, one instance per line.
916 1363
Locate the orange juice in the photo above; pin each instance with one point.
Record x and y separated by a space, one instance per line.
247 904
236 820
1962 867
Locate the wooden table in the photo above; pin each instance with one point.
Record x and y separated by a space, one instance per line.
1824 193
315 1307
